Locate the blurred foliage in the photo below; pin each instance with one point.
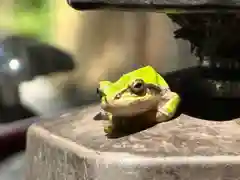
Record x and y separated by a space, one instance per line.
30 17
33 5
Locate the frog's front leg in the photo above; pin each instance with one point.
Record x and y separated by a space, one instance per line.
167 110
107 121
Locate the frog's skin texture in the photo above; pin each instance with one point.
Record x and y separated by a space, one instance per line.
135 93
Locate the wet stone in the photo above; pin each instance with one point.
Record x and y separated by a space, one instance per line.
73 146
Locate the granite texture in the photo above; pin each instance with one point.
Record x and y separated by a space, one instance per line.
152 4
73 146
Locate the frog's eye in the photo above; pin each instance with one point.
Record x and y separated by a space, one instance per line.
138 86
118 96
100 93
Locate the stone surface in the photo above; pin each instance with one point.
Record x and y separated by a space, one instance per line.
153 4
73 146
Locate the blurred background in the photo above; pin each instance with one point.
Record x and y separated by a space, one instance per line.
103 45
100 44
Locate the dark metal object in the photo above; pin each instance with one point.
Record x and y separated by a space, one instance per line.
190 5
184 148
215 42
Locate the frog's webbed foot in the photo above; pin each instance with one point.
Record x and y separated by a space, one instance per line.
167 109
108 127
99 116
162 115
104 115
107 122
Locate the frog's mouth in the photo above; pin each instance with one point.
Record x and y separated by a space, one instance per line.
131 105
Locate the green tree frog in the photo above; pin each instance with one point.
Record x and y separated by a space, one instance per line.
135 93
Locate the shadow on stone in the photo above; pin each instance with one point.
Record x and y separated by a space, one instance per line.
124 126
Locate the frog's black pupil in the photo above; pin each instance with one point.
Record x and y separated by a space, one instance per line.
138 85
118 96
